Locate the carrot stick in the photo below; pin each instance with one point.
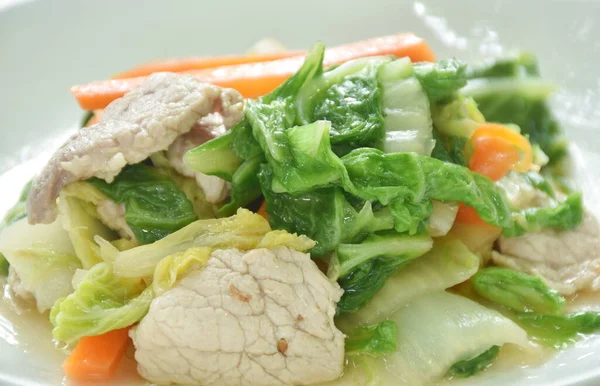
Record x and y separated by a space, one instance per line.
256 79
97 357
189 64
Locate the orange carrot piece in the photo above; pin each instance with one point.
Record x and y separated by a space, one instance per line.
96 358
189 64
494 157
468 215
263 210
496 150
253 80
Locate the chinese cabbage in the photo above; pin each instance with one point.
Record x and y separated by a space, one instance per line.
101 302
436 331
448 263
407 116
77 207
408 182
364 268
43 257
154 205
517 290
245 230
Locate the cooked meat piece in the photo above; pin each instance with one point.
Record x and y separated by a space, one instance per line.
569 261
113 216
215 189
146 120
263 317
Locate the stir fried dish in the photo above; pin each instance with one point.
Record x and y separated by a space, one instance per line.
364 214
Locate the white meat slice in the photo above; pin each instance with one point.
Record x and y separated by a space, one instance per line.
146 120
258 318
569 261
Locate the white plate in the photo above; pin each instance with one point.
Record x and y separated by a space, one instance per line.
45 46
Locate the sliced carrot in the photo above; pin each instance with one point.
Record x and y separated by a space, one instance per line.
253 80
96 358
496 150
468 215
189 64
493 157
263 210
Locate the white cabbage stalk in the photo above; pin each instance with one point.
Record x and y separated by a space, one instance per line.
449 262
43 258
434 332
442 218
406 112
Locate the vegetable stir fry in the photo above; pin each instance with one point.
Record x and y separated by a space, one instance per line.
356 215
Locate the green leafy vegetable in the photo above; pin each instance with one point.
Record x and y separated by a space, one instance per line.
402 248
245 230
215 157
510 91
303 126
519 65
188 185
235 157
244 144
101 302
378 339
87 116
77 207
408 182
470 367
245 186
565 215
365 267
4 265
557 331
441 80
154 205
350 98
324 215
449 148
365 281
311 163
459 118
448 263
517 291
317 214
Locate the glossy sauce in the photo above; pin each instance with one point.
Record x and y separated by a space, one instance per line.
27 330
